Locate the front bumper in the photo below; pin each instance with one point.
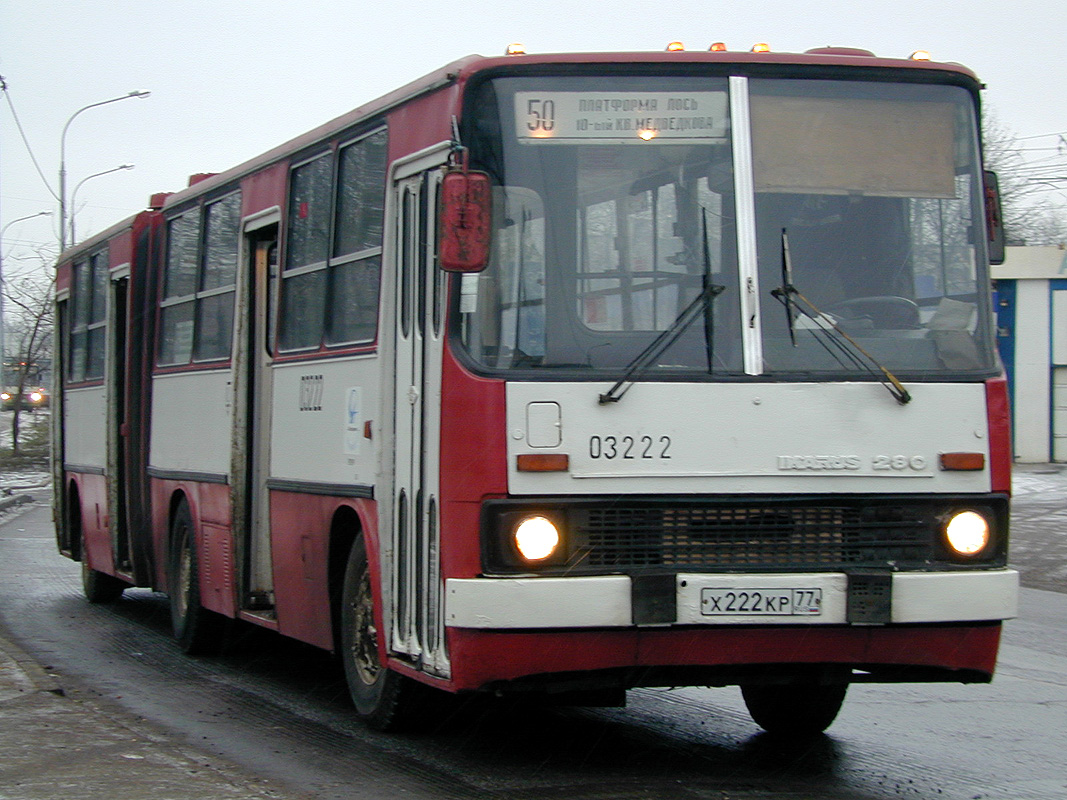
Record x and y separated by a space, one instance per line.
622 601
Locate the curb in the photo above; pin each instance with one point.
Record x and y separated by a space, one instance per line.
15 500
41 680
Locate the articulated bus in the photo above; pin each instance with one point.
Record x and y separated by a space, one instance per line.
562 375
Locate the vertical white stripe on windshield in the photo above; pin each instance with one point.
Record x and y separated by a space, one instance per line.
744 187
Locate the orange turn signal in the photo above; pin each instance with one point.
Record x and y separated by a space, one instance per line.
963 461
543 462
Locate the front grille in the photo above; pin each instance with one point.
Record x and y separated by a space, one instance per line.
632 533
772 536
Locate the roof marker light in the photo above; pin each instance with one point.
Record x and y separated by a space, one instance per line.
761 47
515 49
718 47
675 47
920 55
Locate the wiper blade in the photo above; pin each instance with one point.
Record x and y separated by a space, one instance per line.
788 295
702 302
646 357
784 293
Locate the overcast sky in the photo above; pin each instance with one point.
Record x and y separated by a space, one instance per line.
232 78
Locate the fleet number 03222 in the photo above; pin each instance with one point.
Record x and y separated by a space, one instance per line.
630 447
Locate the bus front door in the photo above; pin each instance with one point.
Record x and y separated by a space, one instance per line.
417 625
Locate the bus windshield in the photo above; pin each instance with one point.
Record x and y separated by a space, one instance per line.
619 200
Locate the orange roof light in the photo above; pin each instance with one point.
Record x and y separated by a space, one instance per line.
515 49
675 47
920 55
718 47
761 47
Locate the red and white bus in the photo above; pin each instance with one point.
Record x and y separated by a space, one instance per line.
565 375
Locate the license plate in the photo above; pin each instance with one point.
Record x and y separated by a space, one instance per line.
778 602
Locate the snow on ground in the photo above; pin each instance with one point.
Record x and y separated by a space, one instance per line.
12 481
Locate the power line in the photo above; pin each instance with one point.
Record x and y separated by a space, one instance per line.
1043 135
22 133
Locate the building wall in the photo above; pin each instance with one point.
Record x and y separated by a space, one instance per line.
1032 323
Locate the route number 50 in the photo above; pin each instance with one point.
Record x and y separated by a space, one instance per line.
541 115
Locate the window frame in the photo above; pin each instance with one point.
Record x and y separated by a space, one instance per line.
195 300
320 335
89 322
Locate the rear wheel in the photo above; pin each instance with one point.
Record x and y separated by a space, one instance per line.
384 699
98 587
797 709
198 630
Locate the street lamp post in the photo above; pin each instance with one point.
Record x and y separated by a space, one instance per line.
63 161
3 351
74 194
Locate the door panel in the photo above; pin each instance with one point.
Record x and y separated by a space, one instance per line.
252 422
417 624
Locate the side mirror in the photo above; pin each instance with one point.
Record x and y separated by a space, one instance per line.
994 219
465 221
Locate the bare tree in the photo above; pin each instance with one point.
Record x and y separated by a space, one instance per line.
1035 212
29 321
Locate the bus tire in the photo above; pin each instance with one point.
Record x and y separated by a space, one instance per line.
796 709
98 587
384 699
197 630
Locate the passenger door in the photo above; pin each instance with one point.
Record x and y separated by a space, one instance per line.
417 625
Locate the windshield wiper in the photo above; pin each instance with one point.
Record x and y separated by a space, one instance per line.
834 339
701 303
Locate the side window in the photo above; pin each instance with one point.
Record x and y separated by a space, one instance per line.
214 304
201 269
308 237
356 268
179 294
88 329
332 272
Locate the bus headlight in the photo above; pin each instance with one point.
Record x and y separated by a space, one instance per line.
536 538
967 533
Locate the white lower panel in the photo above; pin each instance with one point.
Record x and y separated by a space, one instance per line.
947 597
601 601
783 599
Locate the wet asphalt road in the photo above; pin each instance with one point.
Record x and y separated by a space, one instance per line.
280 711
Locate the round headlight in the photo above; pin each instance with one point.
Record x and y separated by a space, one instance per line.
536 538
36 397
967 533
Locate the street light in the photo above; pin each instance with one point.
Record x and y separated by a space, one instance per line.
3 230
63 161
73 208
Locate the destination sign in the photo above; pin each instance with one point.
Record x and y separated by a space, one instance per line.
619 117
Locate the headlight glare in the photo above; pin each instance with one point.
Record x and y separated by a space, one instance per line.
536 538
967 533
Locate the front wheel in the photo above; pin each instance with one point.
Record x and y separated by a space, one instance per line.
198 630
797 709
384 699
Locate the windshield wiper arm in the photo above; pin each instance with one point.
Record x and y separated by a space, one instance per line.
788 295
784 293
669 336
